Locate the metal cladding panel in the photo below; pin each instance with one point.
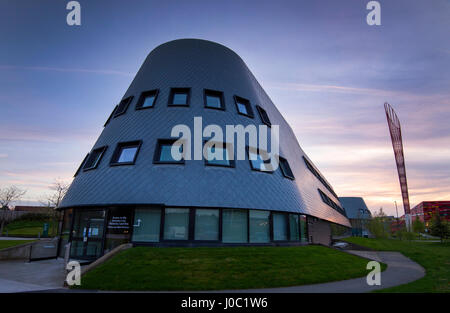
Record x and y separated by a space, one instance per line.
352 206
199 65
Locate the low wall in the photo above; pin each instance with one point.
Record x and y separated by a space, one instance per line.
319 231
20 252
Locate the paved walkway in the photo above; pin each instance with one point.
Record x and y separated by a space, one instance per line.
22 276
47 276
400 270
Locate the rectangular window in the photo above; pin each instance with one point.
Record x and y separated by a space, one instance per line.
318 176
257 161
219 154
126 153
279 226
176 224
123 106
234 226
147 223
147 99
294 225
259 226
214 99
163 152
264 117
179 97
243 106
206 224
94 158
303 229
286 169
331 203
111 115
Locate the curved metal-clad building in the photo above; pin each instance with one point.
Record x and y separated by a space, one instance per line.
127 190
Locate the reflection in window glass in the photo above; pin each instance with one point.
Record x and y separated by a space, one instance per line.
234 226
259 226
165 153
127 154
218 155
294 227
303 229
147 224
279 226
206 224
176 224
213 101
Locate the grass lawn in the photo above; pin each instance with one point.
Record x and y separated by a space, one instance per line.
11 243
146 268
433 256
28 228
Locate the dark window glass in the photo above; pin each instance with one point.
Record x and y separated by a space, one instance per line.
264 117
331 203
146 224
234 225
94 158
163 152
179 97
243 106
303 229
206 224
257 161
111 115
147 99
259 226
285 168
176 224
280 225
126 153
294 227
123 106
220 154
318 176
214 99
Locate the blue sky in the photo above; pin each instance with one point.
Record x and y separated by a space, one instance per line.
327 71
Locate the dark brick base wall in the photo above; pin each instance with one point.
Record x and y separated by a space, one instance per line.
319 231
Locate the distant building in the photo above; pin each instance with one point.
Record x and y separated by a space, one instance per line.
425 210
33 208
358 214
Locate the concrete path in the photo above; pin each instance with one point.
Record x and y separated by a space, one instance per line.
400 270
21 276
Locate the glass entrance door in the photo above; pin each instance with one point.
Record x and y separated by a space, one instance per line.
87 234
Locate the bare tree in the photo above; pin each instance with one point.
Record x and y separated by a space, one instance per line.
9 195
59 191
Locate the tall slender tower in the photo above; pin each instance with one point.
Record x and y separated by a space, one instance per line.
397 145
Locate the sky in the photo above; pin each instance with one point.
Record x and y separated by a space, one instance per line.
327 71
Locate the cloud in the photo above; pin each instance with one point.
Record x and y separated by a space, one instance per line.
3 155
66 70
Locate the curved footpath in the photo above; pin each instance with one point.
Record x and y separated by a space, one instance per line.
400 270
47 276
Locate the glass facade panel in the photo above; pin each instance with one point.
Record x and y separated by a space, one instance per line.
148 101
234 226
279 226
206 224
180 98
176 224
87 235
147 223
303 229
294 231
259 226
127 154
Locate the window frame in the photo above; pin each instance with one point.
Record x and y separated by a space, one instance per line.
175 90
102 151
248 148
247 104
214 93
125 103
117 152
143 96
264 116
157 153
282 160
228 146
